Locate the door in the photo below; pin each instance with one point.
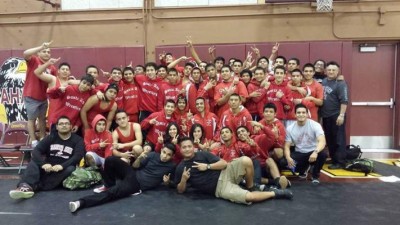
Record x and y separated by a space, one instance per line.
373 88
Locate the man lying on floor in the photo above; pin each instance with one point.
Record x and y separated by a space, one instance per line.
212 175
152 169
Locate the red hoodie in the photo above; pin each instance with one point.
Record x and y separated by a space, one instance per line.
159 127
130 101
71 103
280 141
271 97
148 92
228 119
168 91
253 103
227 153
93 139
291 115
209 123
220 90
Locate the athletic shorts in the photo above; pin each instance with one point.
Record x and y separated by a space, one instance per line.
35 108
228 182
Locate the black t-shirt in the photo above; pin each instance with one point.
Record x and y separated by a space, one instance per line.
151 171
204 181
319 77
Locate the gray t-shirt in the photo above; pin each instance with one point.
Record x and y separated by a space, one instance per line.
335 94
304 137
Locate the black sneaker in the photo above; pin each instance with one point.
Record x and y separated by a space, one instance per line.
283 194
257 187
335 167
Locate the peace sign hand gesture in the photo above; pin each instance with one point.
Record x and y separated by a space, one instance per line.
186 174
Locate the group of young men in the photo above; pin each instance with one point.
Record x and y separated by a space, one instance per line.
238 125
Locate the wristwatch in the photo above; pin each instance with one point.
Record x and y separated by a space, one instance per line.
208 167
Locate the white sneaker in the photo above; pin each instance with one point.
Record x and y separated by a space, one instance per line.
73 206
100 189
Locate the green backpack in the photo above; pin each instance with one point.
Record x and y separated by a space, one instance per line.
365 166
82 178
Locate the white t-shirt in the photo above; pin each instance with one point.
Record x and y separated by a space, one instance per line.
304 137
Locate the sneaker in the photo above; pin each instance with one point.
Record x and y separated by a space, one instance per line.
257 187
137 193
73 206
24 191
315 181
100 189
283 194
303 176
335 167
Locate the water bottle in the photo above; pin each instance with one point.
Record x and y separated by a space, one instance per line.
293 168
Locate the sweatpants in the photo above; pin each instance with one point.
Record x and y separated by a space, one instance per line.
40 180
114 169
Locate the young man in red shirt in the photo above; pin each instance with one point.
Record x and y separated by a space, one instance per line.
205 118
226 88
130 95
34 93
157 122
170 89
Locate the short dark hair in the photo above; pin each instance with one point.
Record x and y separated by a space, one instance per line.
88 78
297 70
270 105
219 58
63 117
296 60
128 68
279 68
281 57
262 57
226 66
235 95
170 146
185 138
91 66
238 60
121 111
189 64
246 71
242 126
117 69
162 66
298 106
259 68
169 101
151 64
64 64
309 65
210 65
113 86
320 60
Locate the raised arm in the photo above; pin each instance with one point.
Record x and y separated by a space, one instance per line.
42 75
32 51
192 50
175 62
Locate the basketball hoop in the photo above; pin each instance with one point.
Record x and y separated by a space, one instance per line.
324 5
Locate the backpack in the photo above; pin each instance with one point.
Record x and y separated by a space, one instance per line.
361 165
82 178
353 152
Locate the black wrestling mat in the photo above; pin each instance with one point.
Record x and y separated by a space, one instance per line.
328 203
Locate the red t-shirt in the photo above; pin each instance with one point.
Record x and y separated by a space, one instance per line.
34 87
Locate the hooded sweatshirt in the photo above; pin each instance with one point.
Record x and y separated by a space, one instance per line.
93 139
229 119
159 127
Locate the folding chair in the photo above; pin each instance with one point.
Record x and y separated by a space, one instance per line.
15 137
